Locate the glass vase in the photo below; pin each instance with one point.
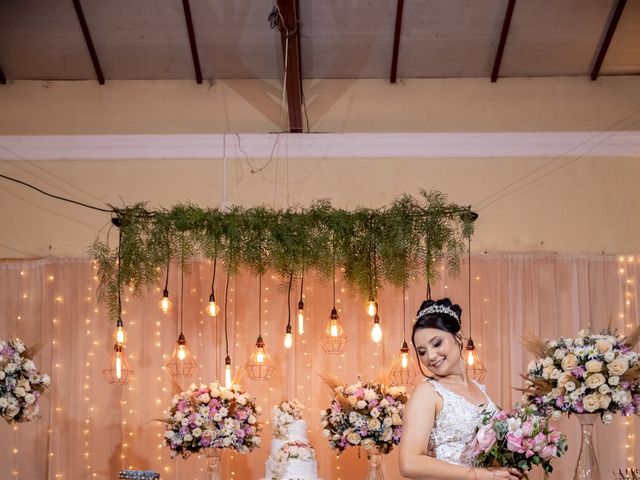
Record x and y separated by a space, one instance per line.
212 470
587 467
375 465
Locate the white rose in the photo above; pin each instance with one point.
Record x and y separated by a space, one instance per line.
609 357
204 398
369 394
361 404
618 366
19 346
591 402
2 375
397 420
595 380
604 388
20 391
10 367
547 362
251 420
603 346
375 413
569 362
353 438
578 341
29 398
555 374
546 372
326 432
197 432
168 434
605 400
387 422
178 416
3 402
607 418
556 415
217 417
614 380
593 366
46 380
187 438
384 403
373 424
386 434
184 422
29 365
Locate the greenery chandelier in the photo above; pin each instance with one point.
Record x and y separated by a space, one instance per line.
404 240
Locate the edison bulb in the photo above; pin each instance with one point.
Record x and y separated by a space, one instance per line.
300 321
212 309
260 356
118 366
333 330
288 340
371 308
470 359
227 375
404 360
182 352
165 304
376 333
120 335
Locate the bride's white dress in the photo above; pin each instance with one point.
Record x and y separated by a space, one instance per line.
455 425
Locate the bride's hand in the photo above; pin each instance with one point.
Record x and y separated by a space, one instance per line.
500 472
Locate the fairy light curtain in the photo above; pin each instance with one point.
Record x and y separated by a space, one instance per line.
91 429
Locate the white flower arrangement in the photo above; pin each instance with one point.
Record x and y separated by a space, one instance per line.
364 414
211 416
21 385
295 450
592 373
283 415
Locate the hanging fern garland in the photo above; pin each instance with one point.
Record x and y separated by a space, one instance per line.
372 246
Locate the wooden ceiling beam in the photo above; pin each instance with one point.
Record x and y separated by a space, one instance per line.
291 31
503 40
396 41
89 41
192 40
614 18
3 79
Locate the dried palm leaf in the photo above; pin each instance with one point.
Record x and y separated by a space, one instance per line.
536 346
631 375
633 338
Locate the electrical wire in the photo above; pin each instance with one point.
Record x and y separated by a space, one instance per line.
57 197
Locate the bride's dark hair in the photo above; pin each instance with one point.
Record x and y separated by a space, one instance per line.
441 314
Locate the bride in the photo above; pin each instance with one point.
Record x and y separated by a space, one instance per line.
442 415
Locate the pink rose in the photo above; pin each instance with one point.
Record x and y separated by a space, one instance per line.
539 442
554 436
486 438
501 416
548 452
514 442
527 428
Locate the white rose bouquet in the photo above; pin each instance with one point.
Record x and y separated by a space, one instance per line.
283 415
592 373
364 414
294 450
21 384
211 416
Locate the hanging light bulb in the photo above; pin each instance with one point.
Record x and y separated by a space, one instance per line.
288 338
165 303
120 334
403 369
372 307
376 330
404 359
334 326
259 365
475 368
118 371
227 372
212 307
335 340
300 317
181 364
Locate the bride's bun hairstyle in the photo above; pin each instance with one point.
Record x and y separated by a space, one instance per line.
440 314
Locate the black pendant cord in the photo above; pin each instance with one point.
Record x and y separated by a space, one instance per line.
301 284
469 292
289 302
213 280
404 315
334 283
182 299
428 269
166 282
119 278
260 306
226 296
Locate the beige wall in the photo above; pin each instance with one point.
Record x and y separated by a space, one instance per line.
572 204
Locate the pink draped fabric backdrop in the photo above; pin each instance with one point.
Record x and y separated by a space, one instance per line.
90 429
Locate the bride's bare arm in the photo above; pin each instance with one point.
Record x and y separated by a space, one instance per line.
419 416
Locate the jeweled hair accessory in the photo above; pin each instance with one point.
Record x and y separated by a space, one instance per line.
438 309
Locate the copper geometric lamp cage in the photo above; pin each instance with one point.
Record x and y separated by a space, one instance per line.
181 365
334 340
259 366
118 371
403 369
475 368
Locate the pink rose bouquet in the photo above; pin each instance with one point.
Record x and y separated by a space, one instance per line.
518 438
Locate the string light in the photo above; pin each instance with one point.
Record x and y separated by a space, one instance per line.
376 330
212 307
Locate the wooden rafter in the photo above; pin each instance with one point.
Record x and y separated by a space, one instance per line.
396 41
3 79
89 41
291 31
192 40
614 18
503 40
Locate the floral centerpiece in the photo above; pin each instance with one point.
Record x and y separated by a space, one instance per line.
592 373
518 438
364 414
293 450
211 416
283 415
21 385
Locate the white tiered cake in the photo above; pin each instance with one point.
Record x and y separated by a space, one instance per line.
292 456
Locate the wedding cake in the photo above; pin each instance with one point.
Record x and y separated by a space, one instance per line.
292 456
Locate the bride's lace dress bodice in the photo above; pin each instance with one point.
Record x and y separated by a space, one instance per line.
455 425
